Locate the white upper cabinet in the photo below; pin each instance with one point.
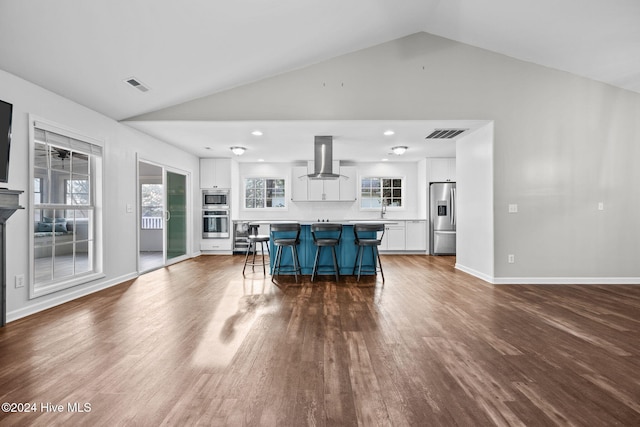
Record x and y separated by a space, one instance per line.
215 173
347 183
299 191
305 189
442 169
323 189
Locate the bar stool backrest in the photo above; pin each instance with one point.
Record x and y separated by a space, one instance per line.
285 231
363 231
326 230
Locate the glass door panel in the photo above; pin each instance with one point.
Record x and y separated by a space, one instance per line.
176 216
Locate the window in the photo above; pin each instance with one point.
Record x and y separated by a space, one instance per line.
65 195
37 190
152 210
374 191
264 193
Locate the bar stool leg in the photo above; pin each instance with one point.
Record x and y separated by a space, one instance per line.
355 263
275 263
335 263
264 269
246 258
360 264
294 255
377 255
315 263
253 260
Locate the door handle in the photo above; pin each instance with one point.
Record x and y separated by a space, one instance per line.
167 216
452 197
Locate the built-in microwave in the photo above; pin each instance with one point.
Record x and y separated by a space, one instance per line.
218 199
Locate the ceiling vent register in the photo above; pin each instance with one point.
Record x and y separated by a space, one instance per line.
445 133
137 84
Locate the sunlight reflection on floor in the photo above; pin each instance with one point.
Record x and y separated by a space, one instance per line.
242 303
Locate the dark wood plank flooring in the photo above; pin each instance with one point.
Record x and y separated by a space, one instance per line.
198 344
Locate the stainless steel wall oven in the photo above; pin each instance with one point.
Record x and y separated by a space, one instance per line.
215 224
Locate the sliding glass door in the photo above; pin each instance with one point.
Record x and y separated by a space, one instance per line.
176 216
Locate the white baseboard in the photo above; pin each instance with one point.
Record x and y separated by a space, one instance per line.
61 299
566 281
475 273
550 280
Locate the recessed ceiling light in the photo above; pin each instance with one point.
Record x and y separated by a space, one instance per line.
256 133
385 160
389 132
261 160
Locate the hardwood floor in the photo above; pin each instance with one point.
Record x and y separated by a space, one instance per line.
195 343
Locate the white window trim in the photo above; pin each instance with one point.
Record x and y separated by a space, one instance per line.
287 194
79 279
388 208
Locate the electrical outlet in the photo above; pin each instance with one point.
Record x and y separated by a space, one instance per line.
511 259
513 208
600 206
20 281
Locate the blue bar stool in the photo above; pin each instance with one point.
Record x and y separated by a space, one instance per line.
324 235
368 236
282 235
255 238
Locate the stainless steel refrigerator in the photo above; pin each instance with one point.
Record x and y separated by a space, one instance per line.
442 218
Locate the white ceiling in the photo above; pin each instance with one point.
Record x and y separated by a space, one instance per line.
84 50
287 141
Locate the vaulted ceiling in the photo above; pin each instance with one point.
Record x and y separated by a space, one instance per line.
86 50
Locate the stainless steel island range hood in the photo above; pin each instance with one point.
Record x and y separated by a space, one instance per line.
323 159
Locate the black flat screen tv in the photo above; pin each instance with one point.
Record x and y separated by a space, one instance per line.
6 111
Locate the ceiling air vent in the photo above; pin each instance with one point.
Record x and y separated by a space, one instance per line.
137 84
445 133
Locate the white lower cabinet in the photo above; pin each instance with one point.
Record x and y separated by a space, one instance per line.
416 235
215 245
394 237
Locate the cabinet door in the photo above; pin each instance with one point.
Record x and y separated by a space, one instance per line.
416 235
348 185
222 173
299 185
207 173
442 169
323 189
215 173
331 187
314 186
394 239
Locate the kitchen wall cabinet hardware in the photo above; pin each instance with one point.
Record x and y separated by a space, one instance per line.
215 173
441 169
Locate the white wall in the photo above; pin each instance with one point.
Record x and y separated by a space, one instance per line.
121 145
474 187
562 143
312 211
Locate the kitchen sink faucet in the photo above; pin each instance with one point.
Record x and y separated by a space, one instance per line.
383 209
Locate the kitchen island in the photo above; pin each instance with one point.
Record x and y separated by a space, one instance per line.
346 250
